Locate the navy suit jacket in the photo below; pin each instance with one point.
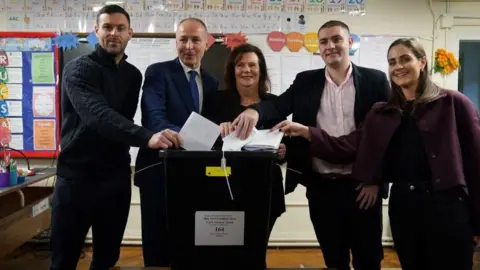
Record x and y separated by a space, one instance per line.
166 104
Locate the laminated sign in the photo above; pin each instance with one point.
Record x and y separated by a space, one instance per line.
219 228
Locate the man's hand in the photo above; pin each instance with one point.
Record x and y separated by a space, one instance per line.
226 128
293 129
165 139
282 150
244 123
368 195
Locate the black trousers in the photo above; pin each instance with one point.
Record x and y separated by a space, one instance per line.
154 223
81 204
341 227
431 230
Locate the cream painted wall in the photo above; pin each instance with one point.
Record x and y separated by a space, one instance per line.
383 17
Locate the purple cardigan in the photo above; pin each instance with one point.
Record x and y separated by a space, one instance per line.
450 127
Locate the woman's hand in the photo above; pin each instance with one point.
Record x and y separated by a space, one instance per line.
282 150
225 128
293 129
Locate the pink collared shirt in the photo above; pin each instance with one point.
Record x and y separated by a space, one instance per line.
336 117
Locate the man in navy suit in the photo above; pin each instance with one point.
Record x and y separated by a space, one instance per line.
171 92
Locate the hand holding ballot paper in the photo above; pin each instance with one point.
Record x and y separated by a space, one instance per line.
200 134
258 140
293 129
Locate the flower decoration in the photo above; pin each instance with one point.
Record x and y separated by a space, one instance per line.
445 62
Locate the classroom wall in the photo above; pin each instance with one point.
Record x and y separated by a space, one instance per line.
383 17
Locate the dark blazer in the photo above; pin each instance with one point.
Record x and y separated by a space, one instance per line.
450 128
224 106
166 104
302 99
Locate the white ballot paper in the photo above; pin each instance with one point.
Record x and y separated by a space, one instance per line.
199 133
232 143
265 140
258 140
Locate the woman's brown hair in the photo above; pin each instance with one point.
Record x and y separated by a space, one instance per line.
235 56
426 89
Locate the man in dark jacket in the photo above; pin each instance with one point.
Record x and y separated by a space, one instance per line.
93 189
346 215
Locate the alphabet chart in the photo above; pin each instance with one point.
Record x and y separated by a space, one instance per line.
29 92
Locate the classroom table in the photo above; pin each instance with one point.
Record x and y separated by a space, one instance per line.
24 211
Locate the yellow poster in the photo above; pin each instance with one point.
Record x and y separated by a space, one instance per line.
310 42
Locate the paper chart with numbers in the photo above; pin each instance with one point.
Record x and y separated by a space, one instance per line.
314 6
335 6
214 5
195 4
355 6
274 5
255 5
234 5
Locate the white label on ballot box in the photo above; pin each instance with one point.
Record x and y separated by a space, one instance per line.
219 228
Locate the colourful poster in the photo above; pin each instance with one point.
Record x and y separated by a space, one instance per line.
44 134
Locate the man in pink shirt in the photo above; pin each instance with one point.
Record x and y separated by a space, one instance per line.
346 215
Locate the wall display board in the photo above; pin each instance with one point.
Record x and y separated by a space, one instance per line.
29 92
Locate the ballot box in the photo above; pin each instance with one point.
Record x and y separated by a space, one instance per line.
218 206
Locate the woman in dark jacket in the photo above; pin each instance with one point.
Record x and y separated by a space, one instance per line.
426 142
247 83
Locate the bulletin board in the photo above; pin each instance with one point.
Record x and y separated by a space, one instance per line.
29 92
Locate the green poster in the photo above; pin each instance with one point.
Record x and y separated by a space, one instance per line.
42 68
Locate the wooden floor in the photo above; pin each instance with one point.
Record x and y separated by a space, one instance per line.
34 257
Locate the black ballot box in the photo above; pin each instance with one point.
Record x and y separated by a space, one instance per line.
218 215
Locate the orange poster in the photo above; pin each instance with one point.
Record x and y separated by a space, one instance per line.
294 41
44 135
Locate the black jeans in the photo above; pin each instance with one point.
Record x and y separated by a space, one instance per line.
155 242
431 230
79 204
341 227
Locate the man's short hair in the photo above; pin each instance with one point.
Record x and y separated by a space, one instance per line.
195 20
111 9
334 23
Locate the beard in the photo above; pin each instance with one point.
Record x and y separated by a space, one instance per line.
114 49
